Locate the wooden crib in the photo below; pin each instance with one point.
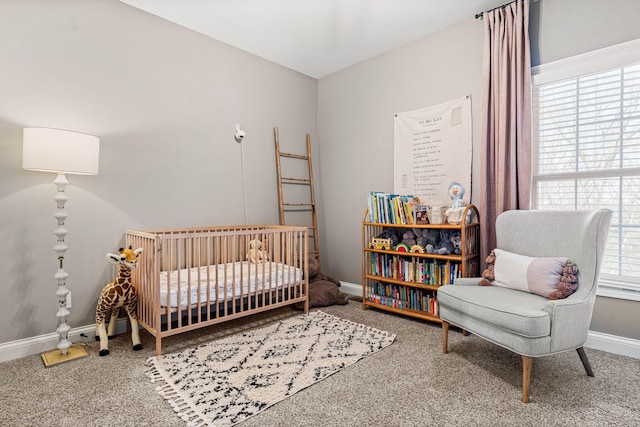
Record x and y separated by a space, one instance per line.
189 278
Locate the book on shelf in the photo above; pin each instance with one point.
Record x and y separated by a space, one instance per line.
422 216
403 297
425 271
388 208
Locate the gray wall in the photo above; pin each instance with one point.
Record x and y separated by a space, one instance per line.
165 101
355 121
356 108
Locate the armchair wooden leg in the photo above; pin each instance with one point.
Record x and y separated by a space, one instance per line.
585 361
445 336
526 377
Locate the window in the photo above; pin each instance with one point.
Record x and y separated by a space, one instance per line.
586 150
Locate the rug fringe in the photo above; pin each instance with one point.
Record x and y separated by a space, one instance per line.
166 391
179 405
153 374
191 418
196 423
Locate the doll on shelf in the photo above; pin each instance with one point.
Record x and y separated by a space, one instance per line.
455 211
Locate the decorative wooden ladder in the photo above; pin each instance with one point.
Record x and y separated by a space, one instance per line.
298 207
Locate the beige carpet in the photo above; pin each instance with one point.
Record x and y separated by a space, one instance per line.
410 383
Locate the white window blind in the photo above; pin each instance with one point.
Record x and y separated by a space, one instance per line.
586 150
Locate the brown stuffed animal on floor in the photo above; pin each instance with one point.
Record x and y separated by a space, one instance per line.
323 290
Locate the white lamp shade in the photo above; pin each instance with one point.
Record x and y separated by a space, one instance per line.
55 150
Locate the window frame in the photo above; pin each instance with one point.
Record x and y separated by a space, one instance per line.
596 61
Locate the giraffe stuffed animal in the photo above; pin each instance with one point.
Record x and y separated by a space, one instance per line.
120 293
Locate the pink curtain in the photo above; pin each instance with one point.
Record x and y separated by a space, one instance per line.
506 117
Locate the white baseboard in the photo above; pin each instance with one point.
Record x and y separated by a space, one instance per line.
614 344
351 288
35 345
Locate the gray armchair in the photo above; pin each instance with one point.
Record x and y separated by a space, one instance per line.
525 323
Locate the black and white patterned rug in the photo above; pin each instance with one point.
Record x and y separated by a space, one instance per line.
226 381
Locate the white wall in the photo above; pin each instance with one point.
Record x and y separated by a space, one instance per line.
356 108
164 101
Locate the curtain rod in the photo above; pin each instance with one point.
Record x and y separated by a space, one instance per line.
479 15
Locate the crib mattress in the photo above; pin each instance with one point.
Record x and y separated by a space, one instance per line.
233 280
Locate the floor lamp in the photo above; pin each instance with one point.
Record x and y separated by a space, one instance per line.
62 152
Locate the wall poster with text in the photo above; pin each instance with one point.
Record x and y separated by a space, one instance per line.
432 149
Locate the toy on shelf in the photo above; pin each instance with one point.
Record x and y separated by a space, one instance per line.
386 240
456 239
401 247
427 236
450 242
417 249
456 210
381 243
409 238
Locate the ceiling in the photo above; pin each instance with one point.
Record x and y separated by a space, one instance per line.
315 37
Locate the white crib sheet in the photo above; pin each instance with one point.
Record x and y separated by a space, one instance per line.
244 277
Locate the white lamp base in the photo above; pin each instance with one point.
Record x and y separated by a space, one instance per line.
55 357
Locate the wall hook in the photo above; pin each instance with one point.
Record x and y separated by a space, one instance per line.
240 134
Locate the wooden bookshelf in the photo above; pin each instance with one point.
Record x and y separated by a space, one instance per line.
406 283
